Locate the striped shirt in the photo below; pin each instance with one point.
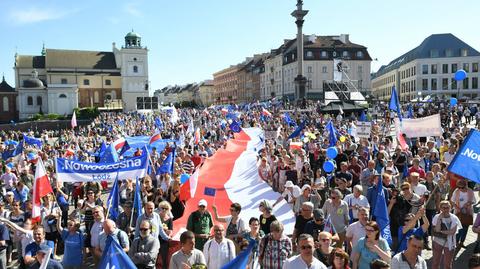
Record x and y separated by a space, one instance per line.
275 253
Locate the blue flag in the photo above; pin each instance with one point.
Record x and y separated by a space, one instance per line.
101 150
332 134
363 117
288 120
235 127
209 191
32 141
410 112
242 259
113 201
124 149
394 104
113 256
297 131
466 162
158 123
381 214
137 200
167 165
13 152
110 155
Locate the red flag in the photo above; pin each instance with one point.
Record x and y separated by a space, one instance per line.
266 112
74 120
41 187
401 141
119 143
156 136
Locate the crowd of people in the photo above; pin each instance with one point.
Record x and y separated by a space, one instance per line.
429 208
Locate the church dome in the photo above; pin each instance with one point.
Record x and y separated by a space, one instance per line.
133 34
33 82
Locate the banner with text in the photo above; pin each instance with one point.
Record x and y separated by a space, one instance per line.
466 162
426 126
75 171
364 129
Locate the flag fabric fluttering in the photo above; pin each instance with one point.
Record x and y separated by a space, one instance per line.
124 149
209 191
288 120
110 155
197 136
158 123
381 214
297 131
32 141
156 136
332 134
74 120
101 150
174 118
363 117
235 127
113 256
41 187
137 200
119 143
266 113
329 226
394 104
113 201
241 260
167 165
410 114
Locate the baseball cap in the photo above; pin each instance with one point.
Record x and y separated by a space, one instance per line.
202 202
288 184
318 214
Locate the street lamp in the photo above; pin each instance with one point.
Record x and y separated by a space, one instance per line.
419 96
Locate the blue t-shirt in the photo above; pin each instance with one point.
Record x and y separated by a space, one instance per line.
32 248
367 256
4 235
72 255
403 238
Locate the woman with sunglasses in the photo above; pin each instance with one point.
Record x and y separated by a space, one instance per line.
88 205
370 247
74 241
463 200
167 224
445 226
339 259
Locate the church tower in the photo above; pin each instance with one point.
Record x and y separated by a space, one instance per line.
132 59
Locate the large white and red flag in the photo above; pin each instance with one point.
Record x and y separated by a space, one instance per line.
41 187
156 136
74 120
119 143
231 176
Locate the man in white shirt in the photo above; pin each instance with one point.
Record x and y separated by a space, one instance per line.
356 230
411 257
219 250
418 189
356 200
305 259
95 231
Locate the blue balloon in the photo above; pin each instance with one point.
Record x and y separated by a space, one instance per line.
328 166
460 75
184 178
453 101
332 152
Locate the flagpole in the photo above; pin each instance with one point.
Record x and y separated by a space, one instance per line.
133 207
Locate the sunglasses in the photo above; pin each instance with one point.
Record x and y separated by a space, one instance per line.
370 230
144 229
405 189
306 247
324 239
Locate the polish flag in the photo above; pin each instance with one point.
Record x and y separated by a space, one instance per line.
296 146
401 141
74 120
156 136
266 112
229 176
41 187
119 143
197 136
69 152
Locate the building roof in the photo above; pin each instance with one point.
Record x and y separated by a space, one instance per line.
29 61
80 59
436 42
5 87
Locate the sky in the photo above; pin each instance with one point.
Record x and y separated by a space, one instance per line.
189 40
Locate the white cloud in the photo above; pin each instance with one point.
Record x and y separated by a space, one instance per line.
35 14
132 9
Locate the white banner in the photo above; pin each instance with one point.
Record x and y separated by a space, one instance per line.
337 70
364 129
426 126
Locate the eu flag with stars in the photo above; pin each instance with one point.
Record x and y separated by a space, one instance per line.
394 104
167 165
235 127
113 256
32 141
332 134
110 155
297 131
209 191
381 214
113 201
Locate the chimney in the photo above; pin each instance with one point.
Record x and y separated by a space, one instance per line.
344 38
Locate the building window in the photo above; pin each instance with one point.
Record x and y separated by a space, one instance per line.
323 54
425 69
345 54
433 68
475 67
108 82
39 100
64 81
324 69
453 83
464 52
444 68
444 83
135 69
5 104
360 69
454 68
309 69
86 82
434 84
360 54
465 83
309 54
434 53
134 59
424 84
30 101
96 97
448 53
466 67
474 83
62 96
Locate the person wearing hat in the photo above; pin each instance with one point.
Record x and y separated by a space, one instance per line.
316 225
200 222
307 195
266 218
41 255
288 194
